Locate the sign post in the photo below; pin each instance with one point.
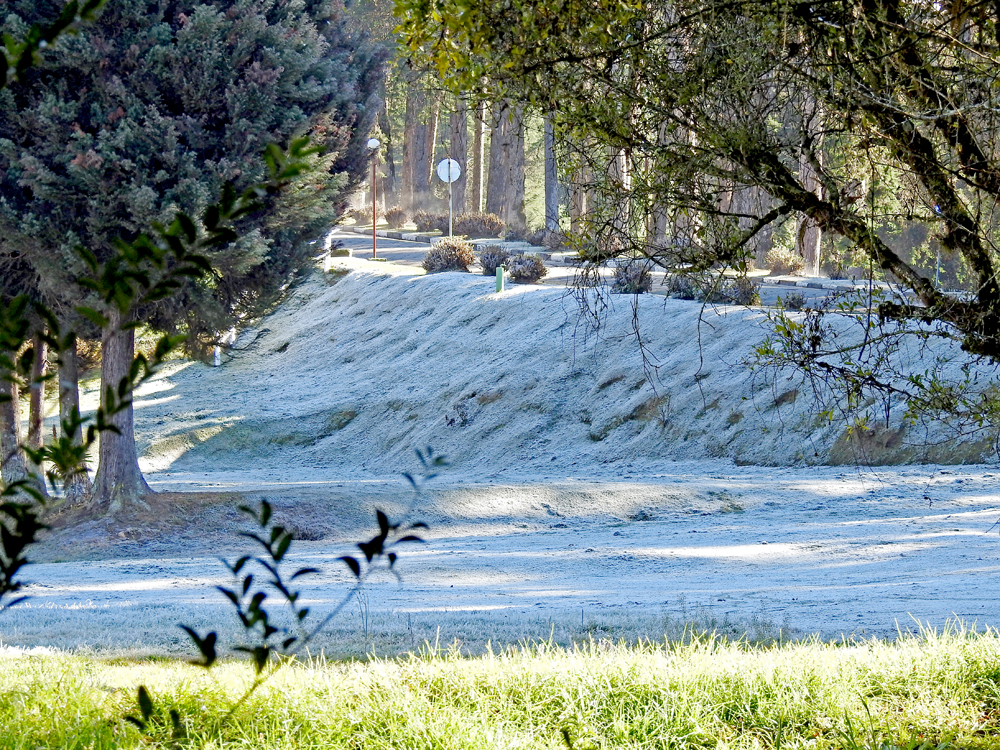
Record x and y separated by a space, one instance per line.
449 170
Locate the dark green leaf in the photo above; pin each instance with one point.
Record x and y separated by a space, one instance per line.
353 564
145 703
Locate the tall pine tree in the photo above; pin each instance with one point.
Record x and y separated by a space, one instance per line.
151 110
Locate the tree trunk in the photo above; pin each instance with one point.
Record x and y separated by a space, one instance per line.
752 201
661 211
118 480
459 151
36 404
620 179
577 209
390 185
505 185
515 183
477 157
810 235
76 484
496 180
36 408
13 466
409 152
551 179
424 139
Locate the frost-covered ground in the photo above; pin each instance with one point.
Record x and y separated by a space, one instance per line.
591 493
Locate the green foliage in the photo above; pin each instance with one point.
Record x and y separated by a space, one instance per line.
151 109
914 692
735 123
20 54
793 300
682 286
364 215
147 269
426 221
269 646
449 254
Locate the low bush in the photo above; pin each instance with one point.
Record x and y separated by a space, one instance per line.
476 224
395 217
364 215
428 222
535 237
491 258
450 254
557 241
525 269
783 262
711 289
682 286
793 301
632 278
738 291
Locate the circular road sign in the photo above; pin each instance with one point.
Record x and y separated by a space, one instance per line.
449 170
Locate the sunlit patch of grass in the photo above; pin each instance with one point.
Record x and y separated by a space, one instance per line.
920 691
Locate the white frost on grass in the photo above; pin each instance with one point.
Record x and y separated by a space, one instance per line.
354 375
587 495
818 550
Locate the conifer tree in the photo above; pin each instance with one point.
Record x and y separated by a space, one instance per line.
151 110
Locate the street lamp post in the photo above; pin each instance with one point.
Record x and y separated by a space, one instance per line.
373 144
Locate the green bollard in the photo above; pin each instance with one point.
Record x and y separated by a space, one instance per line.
500 279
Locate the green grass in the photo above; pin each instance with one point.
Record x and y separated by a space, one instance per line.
917 692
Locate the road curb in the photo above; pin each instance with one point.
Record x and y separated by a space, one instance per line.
570 259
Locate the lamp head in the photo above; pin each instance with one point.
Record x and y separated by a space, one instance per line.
374 143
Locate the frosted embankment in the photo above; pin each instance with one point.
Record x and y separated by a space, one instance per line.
353 375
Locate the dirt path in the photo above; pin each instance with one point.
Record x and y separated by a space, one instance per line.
824 550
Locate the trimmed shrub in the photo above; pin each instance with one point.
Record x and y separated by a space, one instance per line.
682 286
784 262
450 254
525 269
517 234
706 288
632 278
364 215
738 291
491 258
395 217
555 241
428 222
793 301
475 225
537 237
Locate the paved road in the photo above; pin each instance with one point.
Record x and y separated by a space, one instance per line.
397 251
412 253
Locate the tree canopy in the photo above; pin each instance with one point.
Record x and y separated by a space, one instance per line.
152 108
156 108
874 119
